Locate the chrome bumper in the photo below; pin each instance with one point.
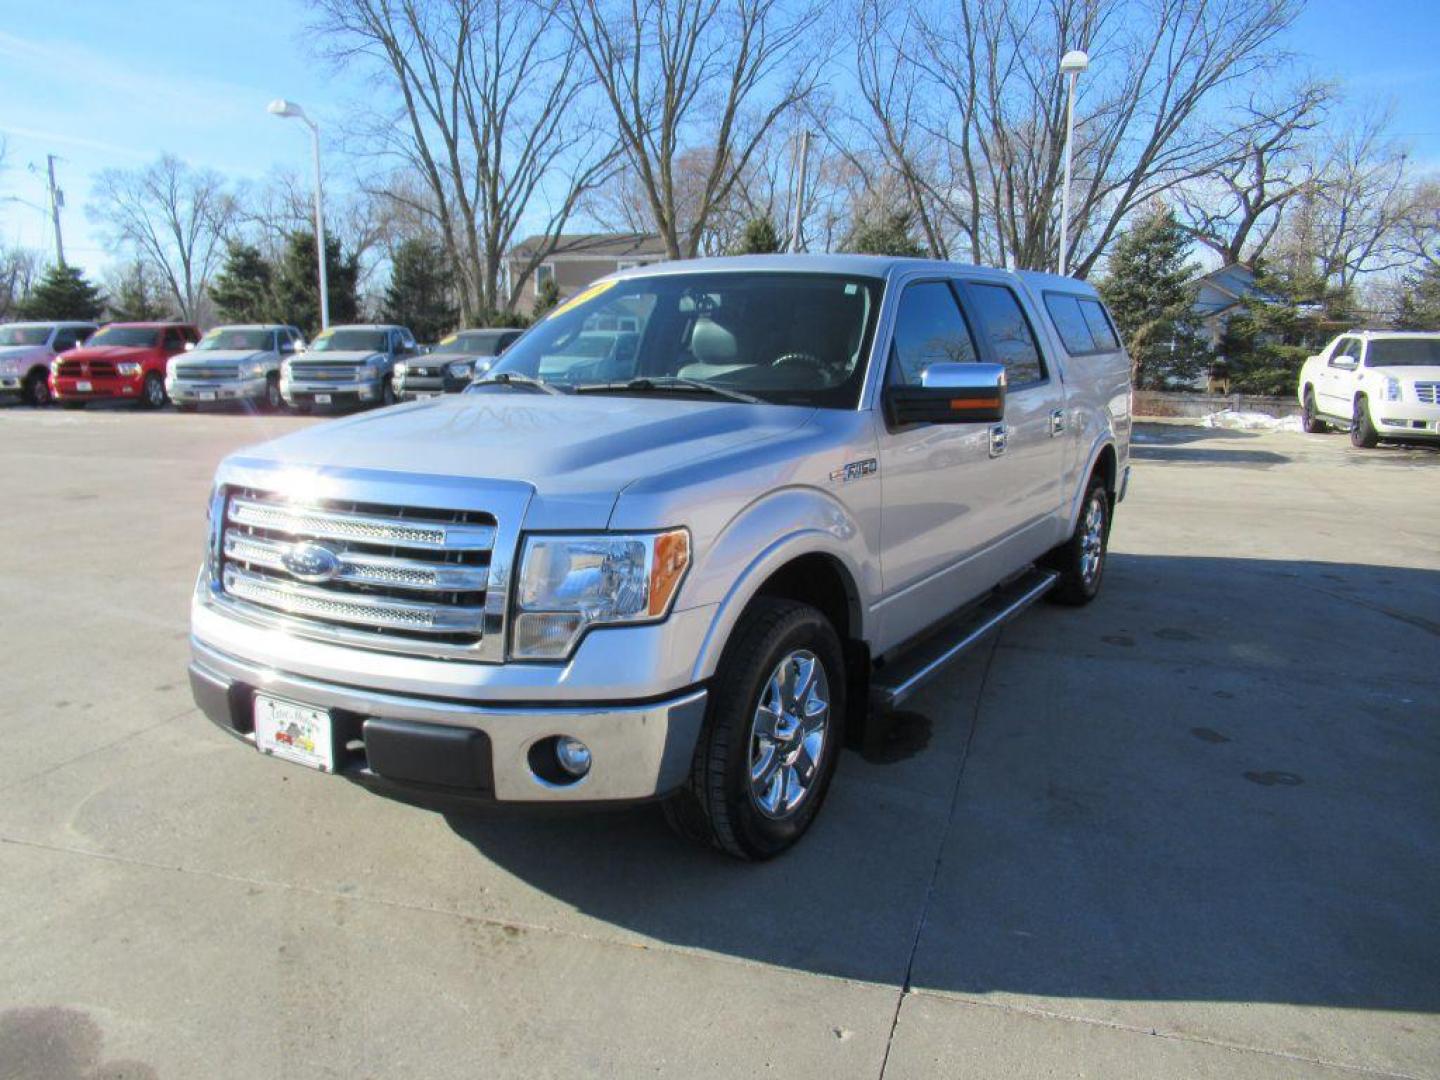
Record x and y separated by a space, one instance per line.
638 750
200 391
366 388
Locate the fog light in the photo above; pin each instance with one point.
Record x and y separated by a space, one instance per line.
573 755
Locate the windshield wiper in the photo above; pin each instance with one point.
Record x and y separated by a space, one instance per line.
672 382
506 378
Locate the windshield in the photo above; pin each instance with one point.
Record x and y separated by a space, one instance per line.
785 338
227 338
135 337
474 343
1404 352
350 341
24 335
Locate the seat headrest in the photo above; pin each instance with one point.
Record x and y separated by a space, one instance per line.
711 343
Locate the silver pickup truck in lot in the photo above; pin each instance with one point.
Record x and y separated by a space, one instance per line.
347 366
816 480
233 364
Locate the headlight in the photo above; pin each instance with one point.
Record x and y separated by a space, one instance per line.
128 368
1392 389
252 370
9 367
568 584
461 369
401 368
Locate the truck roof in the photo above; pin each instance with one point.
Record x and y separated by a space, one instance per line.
877 266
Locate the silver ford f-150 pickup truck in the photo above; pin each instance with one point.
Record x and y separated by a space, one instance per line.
690 570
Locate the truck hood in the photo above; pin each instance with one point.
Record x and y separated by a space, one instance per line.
347 356
1410 373
576 452
219 356
108 352
23 352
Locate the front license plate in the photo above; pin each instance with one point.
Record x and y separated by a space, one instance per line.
205 395
294 732
424 397
322 399
83 386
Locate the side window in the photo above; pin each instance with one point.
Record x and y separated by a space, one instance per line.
66 339
1346 353
1102 329
543 273
929 329
1070 321
174 340
1005 327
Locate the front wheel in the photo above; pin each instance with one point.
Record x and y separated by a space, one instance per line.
1362 429
1081 559
772 734
387 394
274 400
37 390
1310 420
152 394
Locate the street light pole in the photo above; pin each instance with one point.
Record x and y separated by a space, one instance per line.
1072 64
287 109
57 200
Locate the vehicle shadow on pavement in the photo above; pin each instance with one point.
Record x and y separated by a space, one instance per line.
1219 782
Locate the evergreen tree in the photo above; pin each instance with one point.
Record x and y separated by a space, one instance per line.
758 238
1288 318
135 295
63 293
546 297
1419 306
887 232
242 289
418 295
1147 290
294 284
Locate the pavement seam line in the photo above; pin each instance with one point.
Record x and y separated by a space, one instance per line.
940 851
1174 1036
98 749
428 909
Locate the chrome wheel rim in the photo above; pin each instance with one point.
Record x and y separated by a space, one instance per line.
788 734
1092 538
41 395
155 392
272 395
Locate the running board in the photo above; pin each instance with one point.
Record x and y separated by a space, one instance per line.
896 681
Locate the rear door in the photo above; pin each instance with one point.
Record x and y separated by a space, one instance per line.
1029 447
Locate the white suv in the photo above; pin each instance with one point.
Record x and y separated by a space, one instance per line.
1378 384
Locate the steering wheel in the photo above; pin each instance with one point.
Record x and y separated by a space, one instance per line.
798 358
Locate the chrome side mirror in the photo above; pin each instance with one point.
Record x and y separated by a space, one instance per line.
949 394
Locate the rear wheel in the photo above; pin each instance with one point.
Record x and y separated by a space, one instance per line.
1309 417
772 734
1362 429
1081 559
152 394
37 389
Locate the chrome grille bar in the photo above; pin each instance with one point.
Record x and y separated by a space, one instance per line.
361 569
1428 392
355 608
369 528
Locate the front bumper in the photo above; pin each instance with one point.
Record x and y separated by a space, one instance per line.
206 391
314 392
435 748
1412 420
11 386
101 388
412 386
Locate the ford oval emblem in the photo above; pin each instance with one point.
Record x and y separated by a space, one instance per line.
312 563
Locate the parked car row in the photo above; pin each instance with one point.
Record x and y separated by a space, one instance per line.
267 365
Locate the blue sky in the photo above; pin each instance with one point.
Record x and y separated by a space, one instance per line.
106 83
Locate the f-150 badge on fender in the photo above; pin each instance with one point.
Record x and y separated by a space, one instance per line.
856 470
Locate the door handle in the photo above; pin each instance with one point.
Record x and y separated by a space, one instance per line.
1057 422
999 437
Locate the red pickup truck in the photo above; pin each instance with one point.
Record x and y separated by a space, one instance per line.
122 360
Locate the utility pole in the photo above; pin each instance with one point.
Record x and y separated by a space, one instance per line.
800 192
57 200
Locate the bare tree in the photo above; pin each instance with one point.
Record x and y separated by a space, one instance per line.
172 217
1418 227
1237 210
19 267
488 96
695 87
966 103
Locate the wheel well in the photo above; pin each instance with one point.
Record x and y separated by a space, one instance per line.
821 582
1106 467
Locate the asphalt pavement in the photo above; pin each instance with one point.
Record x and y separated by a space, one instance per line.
1190 830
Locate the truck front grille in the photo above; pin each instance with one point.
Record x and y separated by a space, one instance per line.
211 371
399 578
1428 392
327 372
85 369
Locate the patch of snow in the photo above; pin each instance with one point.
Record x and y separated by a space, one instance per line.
1235 420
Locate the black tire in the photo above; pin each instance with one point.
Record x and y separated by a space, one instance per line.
274 401
1080 577
37 390
152 392
1362 430
1309 418
716 806
387 393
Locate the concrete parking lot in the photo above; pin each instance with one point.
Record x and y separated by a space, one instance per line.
1192 830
